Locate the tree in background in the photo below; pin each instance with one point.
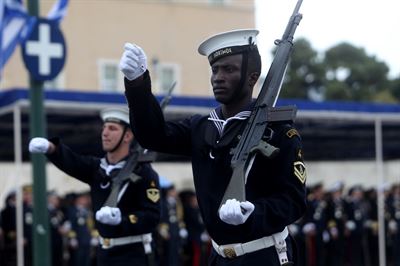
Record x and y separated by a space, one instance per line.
351 70
395 88
343 72
305 75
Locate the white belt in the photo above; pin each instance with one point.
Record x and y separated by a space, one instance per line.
112 242
239 249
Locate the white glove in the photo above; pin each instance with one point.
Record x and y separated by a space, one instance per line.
109 215
39 145
309 228
204 237
133 62
392 226
183 233
351 225
234 212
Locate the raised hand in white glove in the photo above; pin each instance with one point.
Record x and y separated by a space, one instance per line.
133 62
234 212
39 145
109 215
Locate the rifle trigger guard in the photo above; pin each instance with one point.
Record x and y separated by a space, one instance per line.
269 136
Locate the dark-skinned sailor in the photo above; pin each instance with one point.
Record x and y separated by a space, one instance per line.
253 232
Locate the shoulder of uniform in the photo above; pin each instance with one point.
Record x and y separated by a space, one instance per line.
285 128
292 132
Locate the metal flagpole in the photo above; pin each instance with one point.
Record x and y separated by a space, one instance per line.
18 166
381 200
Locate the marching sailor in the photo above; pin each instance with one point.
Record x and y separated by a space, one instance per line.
252 232
125 193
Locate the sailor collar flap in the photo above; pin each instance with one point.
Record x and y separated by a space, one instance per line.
221 133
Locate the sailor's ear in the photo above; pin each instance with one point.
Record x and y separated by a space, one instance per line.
253 77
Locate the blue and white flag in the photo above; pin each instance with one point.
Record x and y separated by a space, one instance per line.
59 10
13 19
16 23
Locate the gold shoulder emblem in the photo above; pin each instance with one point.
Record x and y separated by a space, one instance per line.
300 171
133 218
153 194
292 132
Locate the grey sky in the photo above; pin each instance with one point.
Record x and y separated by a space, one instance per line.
370 24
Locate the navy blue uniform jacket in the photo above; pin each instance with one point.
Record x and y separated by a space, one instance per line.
135 202
272 185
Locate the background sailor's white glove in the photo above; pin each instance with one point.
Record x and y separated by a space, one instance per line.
109 215
39 145
133 62
234 212
183 233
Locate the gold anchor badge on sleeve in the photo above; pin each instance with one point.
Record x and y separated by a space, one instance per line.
153 194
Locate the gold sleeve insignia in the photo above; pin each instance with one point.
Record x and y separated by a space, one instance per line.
133 218
332 224
292 132
299 154
153 194
300 171
71 234
153 184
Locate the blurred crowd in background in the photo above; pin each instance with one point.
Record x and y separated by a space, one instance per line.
180 238
340 228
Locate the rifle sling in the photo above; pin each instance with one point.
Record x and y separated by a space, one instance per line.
117 181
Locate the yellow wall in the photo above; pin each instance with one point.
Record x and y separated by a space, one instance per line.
168 30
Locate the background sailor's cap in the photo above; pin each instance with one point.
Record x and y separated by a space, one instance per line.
227 43
116 115
337 186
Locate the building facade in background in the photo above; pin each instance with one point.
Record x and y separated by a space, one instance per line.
168 30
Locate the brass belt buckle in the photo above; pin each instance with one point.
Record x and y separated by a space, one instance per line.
106 242
229 253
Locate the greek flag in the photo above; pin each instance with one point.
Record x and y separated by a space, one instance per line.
13 17
59 10
16 23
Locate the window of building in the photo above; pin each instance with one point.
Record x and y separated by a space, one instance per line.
218 2
110 77
167 74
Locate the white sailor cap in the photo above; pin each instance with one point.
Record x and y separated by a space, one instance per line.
337 186
228 43
116 115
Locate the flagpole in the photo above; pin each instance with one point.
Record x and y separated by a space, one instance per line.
41 240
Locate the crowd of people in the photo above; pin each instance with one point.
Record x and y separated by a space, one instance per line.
179 238
341 228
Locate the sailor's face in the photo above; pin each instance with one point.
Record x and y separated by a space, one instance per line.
225 78
111 134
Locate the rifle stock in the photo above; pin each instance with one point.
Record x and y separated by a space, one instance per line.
252 139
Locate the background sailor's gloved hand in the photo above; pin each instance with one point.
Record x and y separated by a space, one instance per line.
39 145
133 62
109 215
234 212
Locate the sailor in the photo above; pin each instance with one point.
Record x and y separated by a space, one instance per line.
252 232
124 193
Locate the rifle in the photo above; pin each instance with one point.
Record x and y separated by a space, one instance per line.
252 139
138 154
